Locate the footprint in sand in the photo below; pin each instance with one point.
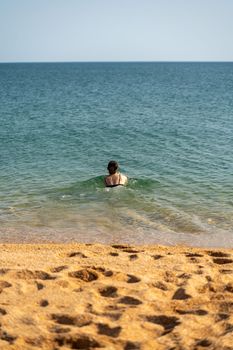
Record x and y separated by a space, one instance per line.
226 307
107 273
58 329
59 268
43 303
113 254
108 292
193 255
128 300
157 257
105 329
222 316
218 254
209 278
77 254
28 274
180 294
226 271
126 249
3 285
229 288
7 337
204 343
160 285
133 257
228 329
194 260
80 341
2 311
133 279
39 285
222 261
129 345
122 277
115 316
185 276
198 312
86 275
119 246
65 319
169 277
168 322
132 251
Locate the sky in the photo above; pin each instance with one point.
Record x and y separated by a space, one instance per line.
116 30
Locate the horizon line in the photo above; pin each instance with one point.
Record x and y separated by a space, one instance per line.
120 61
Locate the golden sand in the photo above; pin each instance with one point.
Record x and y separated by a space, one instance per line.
80 296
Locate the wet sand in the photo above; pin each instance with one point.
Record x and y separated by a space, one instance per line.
90 296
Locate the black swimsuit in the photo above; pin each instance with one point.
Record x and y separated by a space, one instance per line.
115 185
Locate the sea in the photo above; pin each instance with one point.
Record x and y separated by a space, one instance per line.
168 124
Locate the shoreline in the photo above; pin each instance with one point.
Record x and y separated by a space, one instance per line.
27 235
89 296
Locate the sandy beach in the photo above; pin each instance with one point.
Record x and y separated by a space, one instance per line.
89 296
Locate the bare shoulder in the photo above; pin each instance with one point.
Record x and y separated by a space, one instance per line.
124 178
106 179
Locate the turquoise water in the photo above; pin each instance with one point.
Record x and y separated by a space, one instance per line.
170 126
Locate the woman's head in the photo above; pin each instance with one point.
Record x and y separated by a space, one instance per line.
112 167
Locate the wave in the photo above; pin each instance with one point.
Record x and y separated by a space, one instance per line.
144 206
96 185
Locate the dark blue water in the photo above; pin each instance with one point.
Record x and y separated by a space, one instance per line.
170 126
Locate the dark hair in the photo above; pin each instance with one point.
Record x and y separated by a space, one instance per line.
112 167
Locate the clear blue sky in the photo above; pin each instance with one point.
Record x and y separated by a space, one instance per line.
116 30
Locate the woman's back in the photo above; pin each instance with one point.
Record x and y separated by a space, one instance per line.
114 178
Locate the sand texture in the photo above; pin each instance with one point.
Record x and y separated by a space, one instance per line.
80 296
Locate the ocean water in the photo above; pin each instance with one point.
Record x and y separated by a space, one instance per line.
170 126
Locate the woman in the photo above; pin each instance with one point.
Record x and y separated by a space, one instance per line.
114 178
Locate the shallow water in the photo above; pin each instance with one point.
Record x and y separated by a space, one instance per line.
170 125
